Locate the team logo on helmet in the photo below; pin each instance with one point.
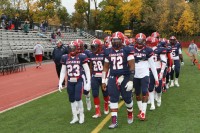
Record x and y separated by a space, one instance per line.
117 40
96 46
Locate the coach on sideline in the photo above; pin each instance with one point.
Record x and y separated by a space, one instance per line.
58 51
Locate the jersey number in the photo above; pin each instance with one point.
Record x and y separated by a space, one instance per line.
98 66
117 62
155 58
173 53
73 71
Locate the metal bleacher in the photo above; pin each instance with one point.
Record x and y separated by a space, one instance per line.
21 44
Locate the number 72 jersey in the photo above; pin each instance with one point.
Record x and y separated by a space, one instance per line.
118 60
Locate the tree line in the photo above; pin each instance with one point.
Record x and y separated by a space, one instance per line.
168 17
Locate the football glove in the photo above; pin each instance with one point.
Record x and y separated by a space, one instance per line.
173 66
156 83
120 80
169 69
160 75
129 86
60 88
87 86
182 63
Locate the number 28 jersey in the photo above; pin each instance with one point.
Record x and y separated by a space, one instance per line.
118 60
74 65
97 61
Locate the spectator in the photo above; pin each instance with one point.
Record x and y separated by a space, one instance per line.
3 21
42 26
39 51
193 51
58 51
26 27
58 32
45 25
16 23
53 37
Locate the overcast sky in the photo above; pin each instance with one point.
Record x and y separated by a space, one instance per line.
69 4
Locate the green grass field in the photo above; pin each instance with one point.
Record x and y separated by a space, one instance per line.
179 112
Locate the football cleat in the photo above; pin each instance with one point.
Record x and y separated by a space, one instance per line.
176 83
142 117
159 102
167 86
130 118
139 113
97 113
114 123
152 107
172 83
96 116
81 118
112 126
74 120
88 103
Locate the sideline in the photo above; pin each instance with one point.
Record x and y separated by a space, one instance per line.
28 101
105 120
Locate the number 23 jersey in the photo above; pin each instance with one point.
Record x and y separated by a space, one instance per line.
74 64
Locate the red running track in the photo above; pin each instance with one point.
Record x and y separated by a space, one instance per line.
18 88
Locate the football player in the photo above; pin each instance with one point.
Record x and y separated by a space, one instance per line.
164 43
160 60
73 65
143 59
96 66
177 58
120 61
107 42
85 92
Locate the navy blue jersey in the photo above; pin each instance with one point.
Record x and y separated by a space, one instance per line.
87 52
142 54
97 61
158 51
176 51
74 65
118 60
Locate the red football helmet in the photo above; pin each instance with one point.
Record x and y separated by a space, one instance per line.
127 42
107 41
155 34
172 40
81 45
140 40
96 46
74 48
152 41
117 40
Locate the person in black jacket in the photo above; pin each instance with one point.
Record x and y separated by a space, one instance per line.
58 51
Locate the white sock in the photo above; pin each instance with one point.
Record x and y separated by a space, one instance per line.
80 106
73 107
144 107
113 106
151 97
139 103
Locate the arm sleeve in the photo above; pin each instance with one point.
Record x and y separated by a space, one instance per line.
87 72
180 51
153 68
62 74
